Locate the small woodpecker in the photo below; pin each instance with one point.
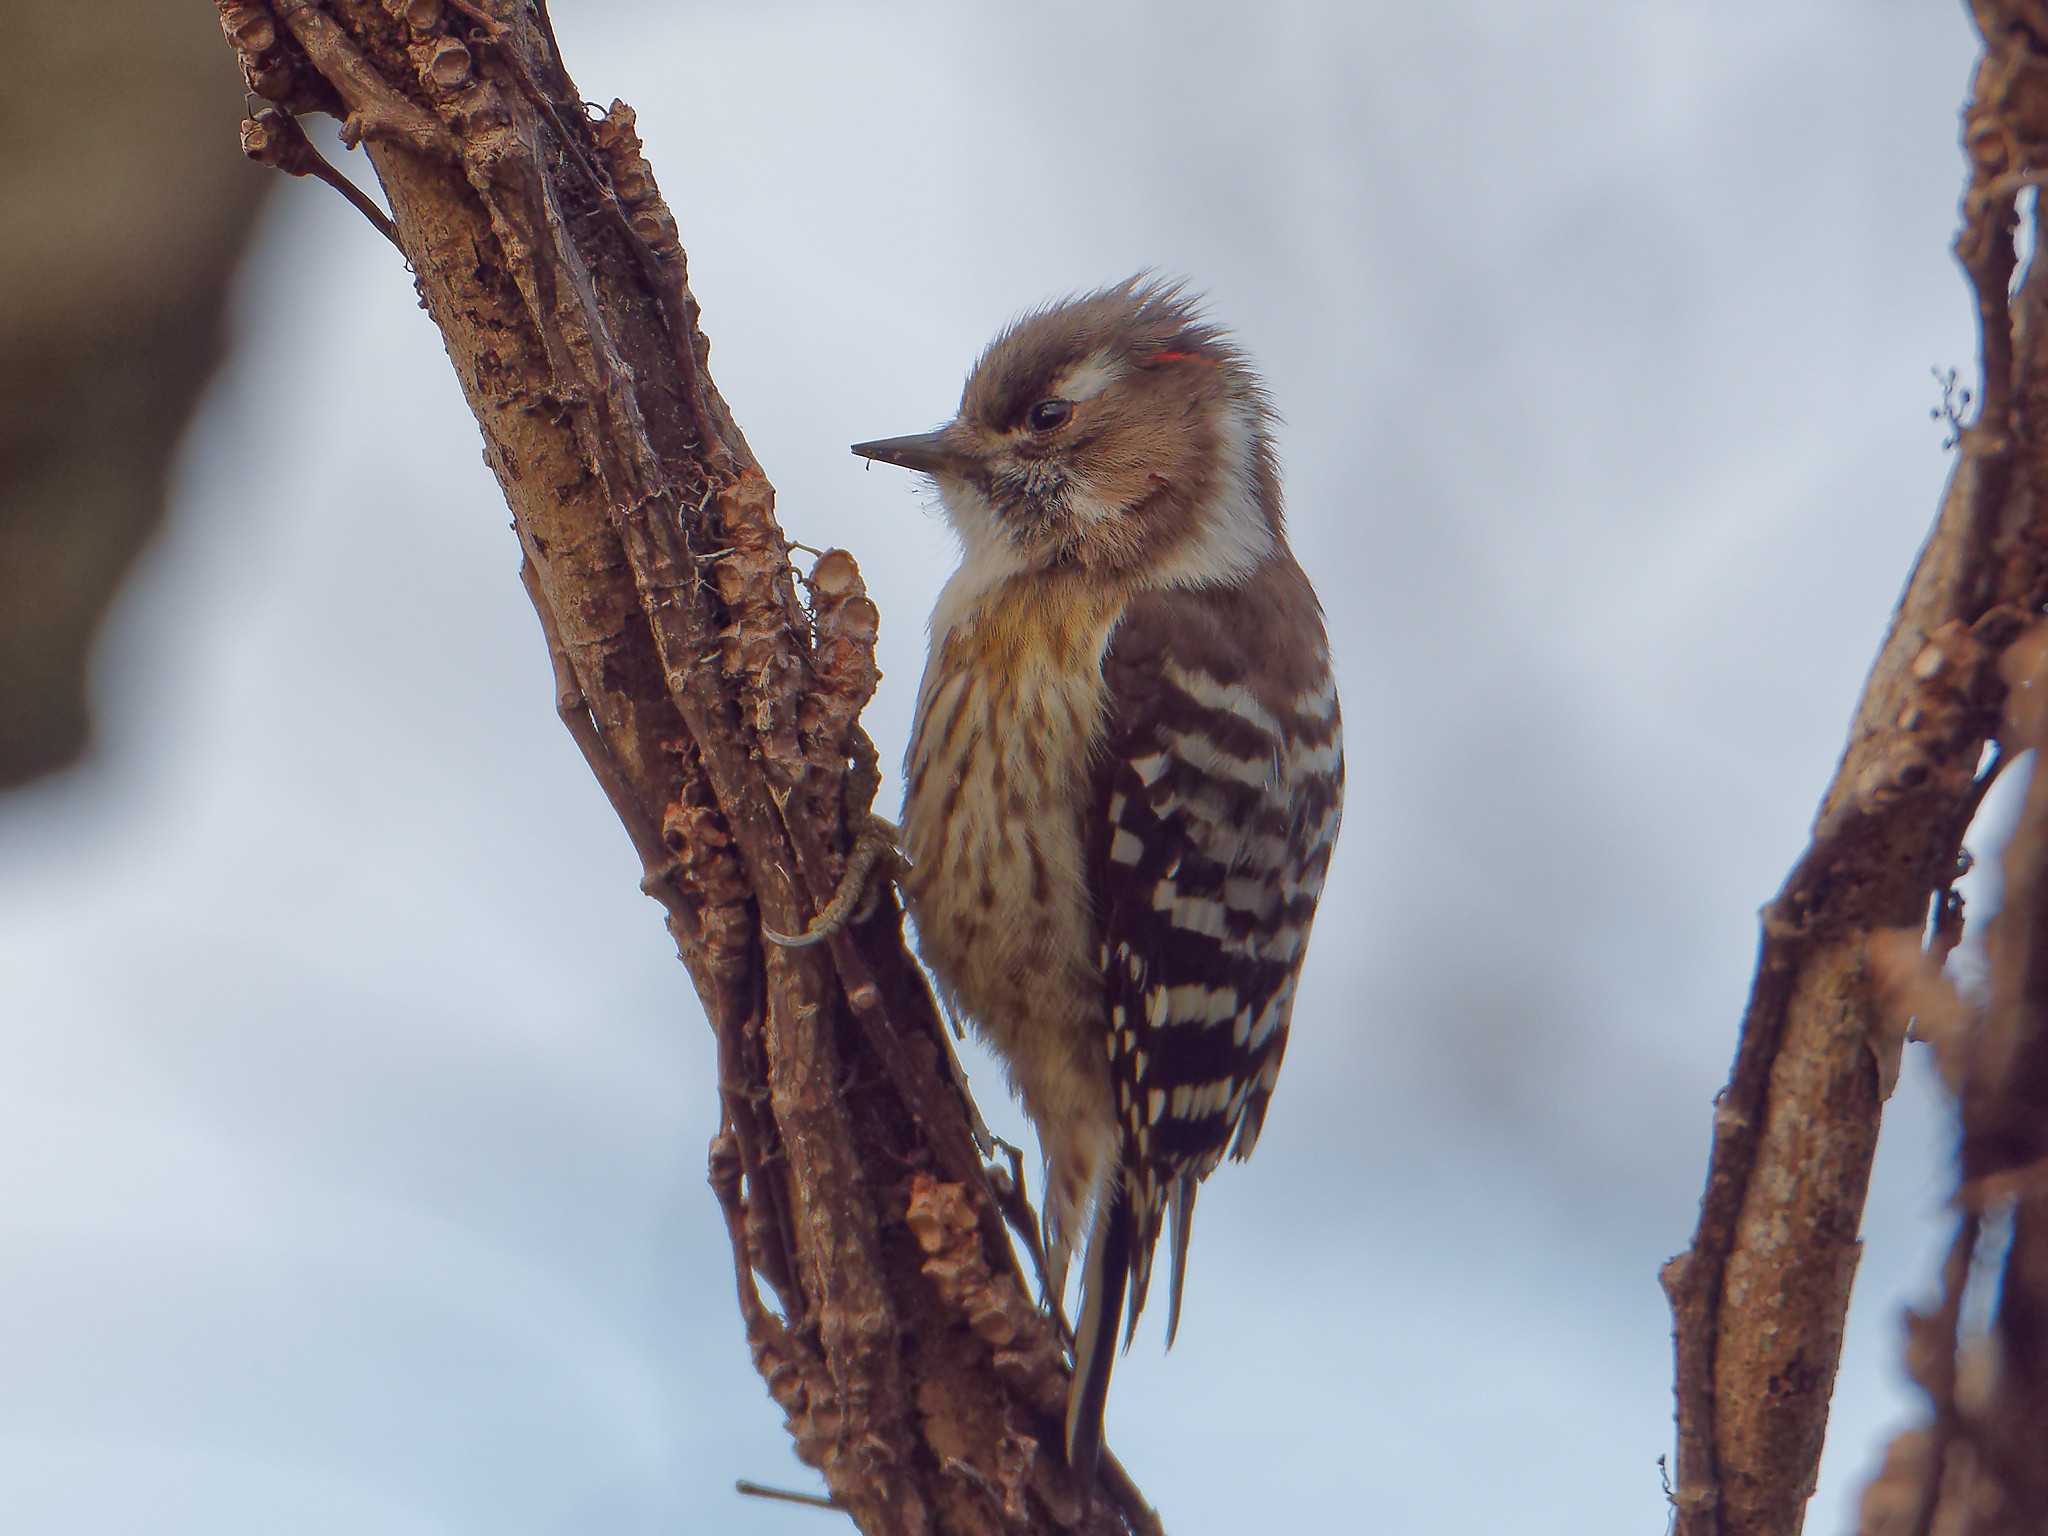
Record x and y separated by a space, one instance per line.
1126 771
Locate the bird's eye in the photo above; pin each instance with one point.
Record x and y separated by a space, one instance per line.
1048 414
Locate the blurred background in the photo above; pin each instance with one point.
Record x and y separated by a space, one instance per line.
354 1106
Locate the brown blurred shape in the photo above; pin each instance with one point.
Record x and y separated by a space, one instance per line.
129 207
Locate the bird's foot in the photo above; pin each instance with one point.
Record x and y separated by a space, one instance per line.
877 858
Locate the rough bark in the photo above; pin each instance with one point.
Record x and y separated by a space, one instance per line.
1759 1298
718 708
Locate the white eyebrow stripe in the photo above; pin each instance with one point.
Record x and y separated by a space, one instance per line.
1087 378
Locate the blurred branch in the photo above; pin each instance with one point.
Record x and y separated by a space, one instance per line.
718 710
1759 1299
126 225
1976 1468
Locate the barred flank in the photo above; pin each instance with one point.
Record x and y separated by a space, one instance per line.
1219 800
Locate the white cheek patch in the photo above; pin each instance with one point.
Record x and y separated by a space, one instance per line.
1087 378
1231 533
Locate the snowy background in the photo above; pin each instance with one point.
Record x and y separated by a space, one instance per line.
354 1106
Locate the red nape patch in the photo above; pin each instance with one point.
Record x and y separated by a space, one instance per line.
1182 357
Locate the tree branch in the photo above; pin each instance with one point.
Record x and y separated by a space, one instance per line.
718 710
1759 1299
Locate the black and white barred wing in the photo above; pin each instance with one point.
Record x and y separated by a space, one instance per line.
1219 799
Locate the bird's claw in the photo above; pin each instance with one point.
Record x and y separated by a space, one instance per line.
877 857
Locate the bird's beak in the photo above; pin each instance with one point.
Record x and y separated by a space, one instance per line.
929 453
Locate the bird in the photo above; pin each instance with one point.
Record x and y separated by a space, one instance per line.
1125 773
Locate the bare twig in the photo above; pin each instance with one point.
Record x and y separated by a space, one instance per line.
274 138
784 1495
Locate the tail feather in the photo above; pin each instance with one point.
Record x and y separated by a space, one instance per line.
1147 1202
1102 1302
1144 1235
1183 1209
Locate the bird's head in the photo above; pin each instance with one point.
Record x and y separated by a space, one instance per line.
1119 432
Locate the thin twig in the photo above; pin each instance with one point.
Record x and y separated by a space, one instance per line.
273 137
785 1495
